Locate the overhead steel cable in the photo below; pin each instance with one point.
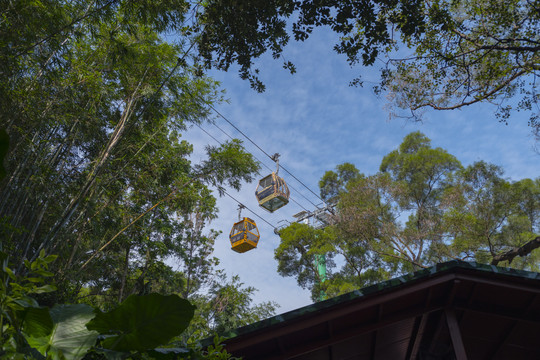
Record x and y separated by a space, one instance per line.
264 152
240 131
269 156
254 144
207 133
258 172
318 197
254 213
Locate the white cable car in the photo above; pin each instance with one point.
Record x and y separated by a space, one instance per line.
272 191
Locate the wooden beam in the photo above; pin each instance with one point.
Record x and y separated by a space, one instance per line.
500 312
416 339
518 284
374 339
418 329
455 334
361 329
440 323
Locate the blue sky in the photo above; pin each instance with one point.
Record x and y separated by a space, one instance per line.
316 121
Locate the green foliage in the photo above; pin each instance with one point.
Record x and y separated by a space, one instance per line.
333 183
69 332
133 324
237 32
457 53
228 163
19 309
422 208
216 351
226 306
61 333
4 146
299 247
94 102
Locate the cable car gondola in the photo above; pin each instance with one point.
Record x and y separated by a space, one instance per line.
272 191
244 234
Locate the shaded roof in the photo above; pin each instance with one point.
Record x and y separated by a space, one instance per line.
451 310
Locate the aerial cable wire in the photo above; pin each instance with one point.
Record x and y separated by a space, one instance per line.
241 132
258 172
264 152
288 172
254 213
268 167
207 133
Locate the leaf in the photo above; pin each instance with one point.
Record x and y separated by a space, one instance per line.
43 289
143 322
69 338
110 354
37 322
169 353
25 302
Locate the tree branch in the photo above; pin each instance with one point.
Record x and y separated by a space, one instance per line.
476 99
510 48
523 250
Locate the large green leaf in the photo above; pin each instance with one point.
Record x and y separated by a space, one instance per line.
170 353
68 338
143 322
37 322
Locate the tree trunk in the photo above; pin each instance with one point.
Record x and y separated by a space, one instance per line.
124 276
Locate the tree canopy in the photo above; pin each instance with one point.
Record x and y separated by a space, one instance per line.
439 54
423 207
94 102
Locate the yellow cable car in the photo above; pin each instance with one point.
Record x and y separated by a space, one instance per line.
272 191
244 234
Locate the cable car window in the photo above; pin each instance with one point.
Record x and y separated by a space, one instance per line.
263 194
237 237
266 182
252 237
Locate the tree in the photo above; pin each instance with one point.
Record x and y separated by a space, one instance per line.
422 208
95 102
493 220
442 54
420 173
227 305
333 183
